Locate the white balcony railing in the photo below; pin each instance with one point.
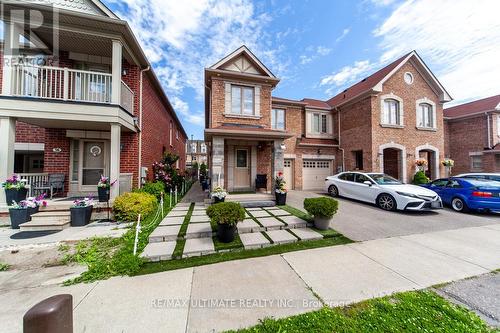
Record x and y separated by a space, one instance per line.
127 98
61 83
33 179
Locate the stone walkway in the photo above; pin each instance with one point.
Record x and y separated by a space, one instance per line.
261 227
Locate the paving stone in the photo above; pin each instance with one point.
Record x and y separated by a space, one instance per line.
199 230
307 234
184 204
260 213
272 208
281 236
271 223
252 209
180 209
175 220
198 247
164 233
199 208
177 213
254 240
248 225
247 216
199 204
199 218
159 251
280 212
294 222
199 212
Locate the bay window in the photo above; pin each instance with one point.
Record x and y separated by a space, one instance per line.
319 123
278 119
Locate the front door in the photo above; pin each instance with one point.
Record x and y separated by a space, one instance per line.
93 164
242 168
288 173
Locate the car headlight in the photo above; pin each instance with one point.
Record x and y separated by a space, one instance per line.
404 194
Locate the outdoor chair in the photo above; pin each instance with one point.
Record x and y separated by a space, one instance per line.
54 185
261 181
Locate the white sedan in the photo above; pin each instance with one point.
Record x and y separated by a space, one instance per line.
386 192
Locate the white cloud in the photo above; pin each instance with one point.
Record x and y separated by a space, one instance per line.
460 40
305 59
182 107
323 51
347 74
382 3
319 51
342 36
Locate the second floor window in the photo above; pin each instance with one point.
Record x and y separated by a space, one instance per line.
193 147
278 119
391 114
171 130
203 148
425 115
242 100
319 123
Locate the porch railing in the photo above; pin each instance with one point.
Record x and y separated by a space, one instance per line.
127 98
61 83
32 179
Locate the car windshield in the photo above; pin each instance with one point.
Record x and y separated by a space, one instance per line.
382 179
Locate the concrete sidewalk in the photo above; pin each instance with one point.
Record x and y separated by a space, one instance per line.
237 293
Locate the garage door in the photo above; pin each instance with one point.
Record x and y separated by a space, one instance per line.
314 173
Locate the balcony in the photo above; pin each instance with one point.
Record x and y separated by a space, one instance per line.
67 84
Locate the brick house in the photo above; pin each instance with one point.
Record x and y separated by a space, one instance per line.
93 106
382 124
473 135
196 152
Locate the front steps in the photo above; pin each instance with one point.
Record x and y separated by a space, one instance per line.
53 220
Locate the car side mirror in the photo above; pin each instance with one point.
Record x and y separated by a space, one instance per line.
367 182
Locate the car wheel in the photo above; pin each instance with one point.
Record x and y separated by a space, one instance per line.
459 205
386 202
333 191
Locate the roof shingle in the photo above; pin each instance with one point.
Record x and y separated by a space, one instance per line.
481 105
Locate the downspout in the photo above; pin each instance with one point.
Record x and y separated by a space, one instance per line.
340 148
209 153
488 125
139 182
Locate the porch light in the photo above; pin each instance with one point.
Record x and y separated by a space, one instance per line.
283 146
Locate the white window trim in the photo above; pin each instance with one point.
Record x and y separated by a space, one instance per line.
475 154
426 100
228 100
401 110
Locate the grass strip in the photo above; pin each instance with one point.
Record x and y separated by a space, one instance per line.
234 245
414 312
154 267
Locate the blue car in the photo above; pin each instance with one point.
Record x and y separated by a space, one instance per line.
465 194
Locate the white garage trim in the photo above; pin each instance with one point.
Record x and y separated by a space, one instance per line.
318 157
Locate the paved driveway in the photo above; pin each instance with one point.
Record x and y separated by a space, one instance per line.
360 221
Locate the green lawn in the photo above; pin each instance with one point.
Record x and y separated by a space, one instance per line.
416 311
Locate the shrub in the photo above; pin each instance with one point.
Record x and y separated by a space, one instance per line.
229 213
420 178
321 207
129 205
154 188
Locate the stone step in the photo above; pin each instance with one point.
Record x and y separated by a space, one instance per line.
159 251
164 234
51 216
199 230
198 247
45 225
254 240
306 234
281 236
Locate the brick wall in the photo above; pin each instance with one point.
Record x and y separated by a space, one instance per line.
57 162
27 133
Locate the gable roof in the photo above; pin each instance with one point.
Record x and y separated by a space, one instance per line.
243 51
94 7
491 103
374 82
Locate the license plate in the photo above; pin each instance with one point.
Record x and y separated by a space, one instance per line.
436 204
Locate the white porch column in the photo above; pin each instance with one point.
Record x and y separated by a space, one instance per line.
7 140
11 47
116 73
114 165
217 162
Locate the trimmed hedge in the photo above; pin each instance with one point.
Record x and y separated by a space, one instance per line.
129 205
321 207
154 188
229 213
420 178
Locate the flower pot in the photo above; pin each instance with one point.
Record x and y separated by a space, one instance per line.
280 199
80 216
16 195
322 223
18 216
204 185
32 211
217 200
226 233
103 193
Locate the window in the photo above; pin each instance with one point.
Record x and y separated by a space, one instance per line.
193 147
391 114
203 148
170 134
358 159
75 159
360 178
476 162
498 125
319 123
347 176
440 182
408 77
453 184
425 115
241 158
242 100
278 119
177 134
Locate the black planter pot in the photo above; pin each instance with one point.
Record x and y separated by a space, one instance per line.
202 179
204 185
226 233
32 211
18 216
15 195
217 200
103 193
80 216
280 199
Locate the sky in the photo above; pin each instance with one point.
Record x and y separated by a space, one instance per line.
316 47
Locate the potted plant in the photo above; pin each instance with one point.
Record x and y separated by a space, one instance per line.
81 212
322 209
448 163
420 164
35 203
103 188
20 213
280 189
226 215
218 194
15 190
420 178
